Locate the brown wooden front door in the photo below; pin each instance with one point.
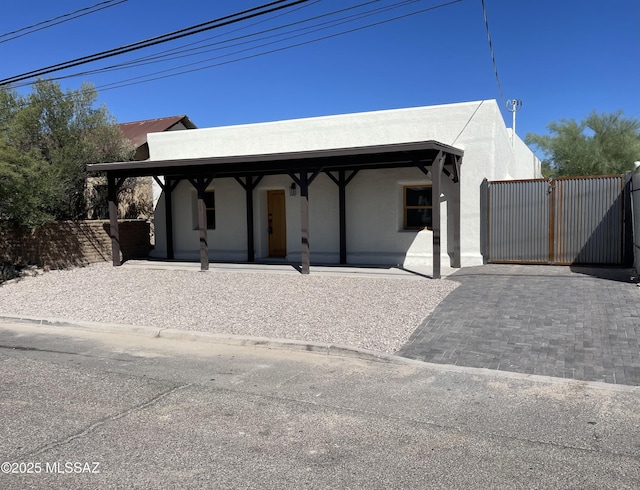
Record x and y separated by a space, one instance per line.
277 224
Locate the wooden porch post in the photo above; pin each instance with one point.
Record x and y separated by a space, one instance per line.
342 181
304 222
202 224
167 187
249 185
457 260
114 231
436 175
251 253
342 187
168 217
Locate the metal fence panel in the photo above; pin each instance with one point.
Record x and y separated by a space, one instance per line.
562 221
518 221
635 197
589 225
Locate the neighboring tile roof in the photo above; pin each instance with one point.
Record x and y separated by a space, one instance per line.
137 131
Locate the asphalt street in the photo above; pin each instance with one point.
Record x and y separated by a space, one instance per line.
88 409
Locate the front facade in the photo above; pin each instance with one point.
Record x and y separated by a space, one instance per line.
354 188
387 210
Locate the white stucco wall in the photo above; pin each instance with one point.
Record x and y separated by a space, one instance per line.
374 220
155 188
373 198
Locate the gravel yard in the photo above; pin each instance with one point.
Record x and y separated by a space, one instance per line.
372 313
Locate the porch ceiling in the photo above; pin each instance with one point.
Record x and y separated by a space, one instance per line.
353 158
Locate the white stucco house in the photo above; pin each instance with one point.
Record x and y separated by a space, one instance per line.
353 188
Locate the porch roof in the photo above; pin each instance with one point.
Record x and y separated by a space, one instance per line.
421 153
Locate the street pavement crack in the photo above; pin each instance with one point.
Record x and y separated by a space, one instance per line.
152 401
35 349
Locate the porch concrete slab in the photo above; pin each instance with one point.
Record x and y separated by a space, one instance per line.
569 322
383 271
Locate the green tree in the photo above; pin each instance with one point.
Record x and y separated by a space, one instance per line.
25 187
601 144
60 132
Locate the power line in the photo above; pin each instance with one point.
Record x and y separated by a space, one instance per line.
189 31
242 28
130 81
141 79
60 19
178 53
493 58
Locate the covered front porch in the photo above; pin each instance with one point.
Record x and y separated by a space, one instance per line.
433 159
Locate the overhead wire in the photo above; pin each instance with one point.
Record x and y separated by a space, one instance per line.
178 50
61 19
161 57
130 81
334 22
237 29
174 53
493 58
149 77
205 26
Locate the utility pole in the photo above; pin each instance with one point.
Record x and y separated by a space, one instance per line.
513 106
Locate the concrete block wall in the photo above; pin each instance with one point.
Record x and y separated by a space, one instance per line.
64 244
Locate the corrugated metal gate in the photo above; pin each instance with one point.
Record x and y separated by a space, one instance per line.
576 220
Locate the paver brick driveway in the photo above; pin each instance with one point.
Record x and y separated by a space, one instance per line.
572 322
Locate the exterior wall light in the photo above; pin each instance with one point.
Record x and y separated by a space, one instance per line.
292 189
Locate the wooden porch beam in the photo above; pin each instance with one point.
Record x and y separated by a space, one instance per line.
457 161
310 178
425 170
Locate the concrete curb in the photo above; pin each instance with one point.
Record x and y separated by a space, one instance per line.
237 340
336 350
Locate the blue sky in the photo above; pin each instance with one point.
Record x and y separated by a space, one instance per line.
562 58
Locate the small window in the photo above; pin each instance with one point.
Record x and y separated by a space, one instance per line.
210 203
418 207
